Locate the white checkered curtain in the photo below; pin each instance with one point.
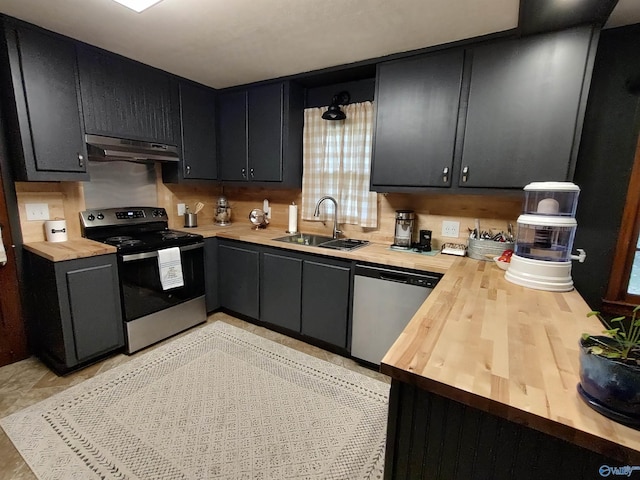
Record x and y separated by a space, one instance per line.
337 162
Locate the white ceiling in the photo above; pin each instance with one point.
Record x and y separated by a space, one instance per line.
222 43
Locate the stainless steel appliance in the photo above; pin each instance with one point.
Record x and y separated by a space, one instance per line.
404 229
384 301
151 311
103 149
223 212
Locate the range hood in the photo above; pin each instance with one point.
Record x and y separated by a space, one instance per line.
104 149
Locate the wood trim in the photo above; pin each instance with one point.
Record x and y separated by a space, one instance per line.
625 247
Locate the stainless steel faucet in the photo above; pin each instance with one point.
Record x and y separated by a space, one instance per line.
316 213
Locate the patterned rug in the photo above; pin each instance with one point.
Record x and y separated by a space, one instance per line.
219 403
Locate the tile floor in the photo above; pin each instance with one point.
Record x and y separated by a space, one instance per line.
29 381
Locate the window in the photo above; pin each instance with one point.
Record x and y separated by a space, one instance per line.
623 291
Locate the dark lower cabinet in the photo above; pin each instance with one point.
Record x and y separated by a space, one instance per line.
239 278
325 301
74 310
41 101
430 437
281 290
211 281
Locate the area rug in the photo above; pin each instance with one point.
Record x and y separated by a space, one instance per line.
219 403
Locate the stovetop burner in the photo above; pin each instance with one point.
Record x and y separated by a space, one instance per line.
134 230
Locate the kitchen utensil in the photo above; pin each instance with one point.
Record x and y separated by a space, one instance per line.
502 265
223 212
199 207
258 218
190 220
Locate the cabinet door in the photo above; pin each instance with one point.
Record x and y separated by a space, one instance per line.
417 103
125 99
239 279
45 82
325 302
211 273
265 133
524 106
197 112
232 138
281 290
94 304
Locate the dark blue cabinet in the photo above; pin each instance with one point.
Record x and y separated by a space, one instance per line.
74 313
41 102
239 277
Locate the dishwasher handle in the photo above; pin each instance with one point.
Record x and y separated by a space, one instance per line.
427 279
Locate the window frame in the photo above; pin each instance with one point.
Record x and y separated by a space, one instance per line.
617 300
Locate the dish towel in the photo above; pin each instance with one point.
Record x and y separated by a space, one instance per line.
170 268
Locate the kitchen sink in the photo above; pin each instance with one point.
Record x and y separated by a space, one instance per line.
323 241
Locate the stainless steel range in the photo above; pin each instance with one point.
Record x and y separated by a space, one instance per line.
161 271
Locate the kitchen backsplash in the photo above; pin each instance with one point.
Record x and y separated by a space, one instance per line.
66 199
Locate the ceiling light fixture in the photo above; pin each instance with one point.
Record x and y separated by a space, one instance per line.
138 5
334 112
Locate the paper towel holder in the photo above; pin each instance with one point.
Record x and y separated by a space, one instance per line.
293 219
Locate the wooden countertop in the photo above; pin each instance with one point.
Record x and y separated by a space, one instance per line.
477 339
69 250
510 351
374 252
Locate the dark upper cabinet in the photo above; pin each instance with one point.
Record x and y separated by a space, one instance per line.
238 277
526 108
417 103
126 99
41 99
232 143
198 130
260 135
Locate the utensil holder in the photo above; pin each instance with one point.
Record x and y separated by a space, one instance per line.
190 220
480 248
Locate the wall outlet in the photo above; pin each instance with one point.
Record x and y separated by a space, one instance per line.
181 209
450 229
37 211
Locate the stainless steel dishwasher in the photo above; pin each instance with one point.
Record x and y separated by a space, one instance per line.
384 301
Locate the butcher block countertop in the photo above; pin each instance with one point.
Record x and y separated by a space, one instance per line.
478 339
510 351
69 250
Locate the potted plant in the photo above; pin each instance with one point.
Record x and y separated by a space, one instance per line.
610 369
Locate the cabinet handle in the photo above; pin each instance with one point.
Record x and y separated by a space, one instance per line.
81 160
465 174
445 175
251 172
244 173
188 169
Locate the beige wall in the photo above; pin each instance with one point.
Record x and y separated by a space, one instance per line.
66 199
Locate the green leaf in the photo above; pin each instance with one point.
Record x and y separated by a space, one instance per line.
636 309
617 319
596 350
586 336
613 355
591 314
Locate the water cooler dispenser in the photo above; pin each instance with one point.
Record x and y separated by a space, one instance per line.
544 242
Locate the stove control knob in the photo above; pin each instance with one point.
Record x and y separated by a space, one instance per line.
100 216
91 218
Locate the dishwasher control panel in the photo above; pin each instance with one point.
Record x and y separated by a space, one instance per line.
422 282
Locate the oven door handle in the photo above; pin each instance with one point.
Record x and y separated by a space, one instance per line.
141 256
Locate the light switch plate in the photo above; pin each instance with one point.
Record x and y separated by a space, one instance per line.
181 208
450 229
37 211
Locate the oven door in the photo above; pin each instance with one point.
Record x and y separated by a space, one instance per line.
142 292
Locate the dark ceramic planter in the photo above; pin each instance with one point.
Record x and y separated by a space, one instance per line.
610 386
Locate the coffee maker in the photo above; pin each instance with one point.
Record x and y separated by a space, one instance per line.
403 236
